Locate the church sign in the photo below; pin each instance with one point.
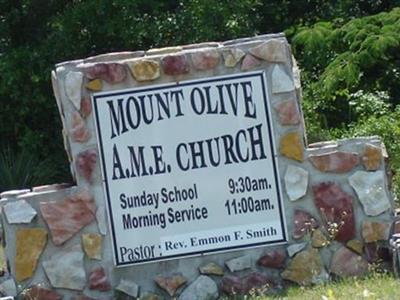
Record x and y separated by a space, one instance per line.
189 168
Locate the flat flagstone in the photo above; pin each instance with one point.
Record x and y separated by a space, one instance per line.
296 182
92 244
86 163
30 243
336 209
8 288
145 69
18 212
291 146
372 157
79 131
65 218
335 161
73 85
205 59
98 280
288 112
371 191
273 50
249 62
65 269
128 287
281 81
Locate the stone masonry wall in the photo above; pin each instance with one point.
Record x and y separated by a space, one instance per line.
337 201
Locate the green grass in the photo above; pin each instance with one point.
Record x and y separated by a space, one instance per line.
383 286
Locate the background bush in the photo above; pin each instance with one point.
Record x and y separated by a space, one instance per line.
347 50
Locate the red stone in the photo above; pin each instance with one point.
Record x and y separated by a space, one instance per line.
235 285
98 280
303 223
40 293
79 131
205 60
86 107
336 161
288 113
346 263
86 162
175 64
65 218
335 207
249 62
110 72
273 259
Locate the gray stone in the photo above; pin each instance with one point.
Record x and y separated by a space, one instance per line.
8 288
65 269
128 287
101 219
273 50
239 263
296 182
370 189
281 81
13 193
73 86
203 288
19 212
295 248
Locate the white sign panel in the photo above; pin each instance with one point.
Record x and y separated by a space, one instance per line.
189 168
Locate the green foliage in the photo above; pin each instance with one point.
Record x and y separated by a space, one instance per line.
24 170
340 59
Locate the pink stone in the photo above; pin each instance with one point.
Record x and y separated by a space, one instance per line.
86 162
335 207
273 259
346 263
175 64
235 285
336 161
37 292
303 223
65 218
86 107
110 72
79 131
170 283
288 113
98 280
249 62
205 60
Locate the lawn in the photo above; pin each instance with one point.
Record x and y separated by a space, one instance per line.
383 286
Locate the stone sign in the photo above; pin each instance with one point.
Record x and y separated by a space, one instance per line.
192 150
